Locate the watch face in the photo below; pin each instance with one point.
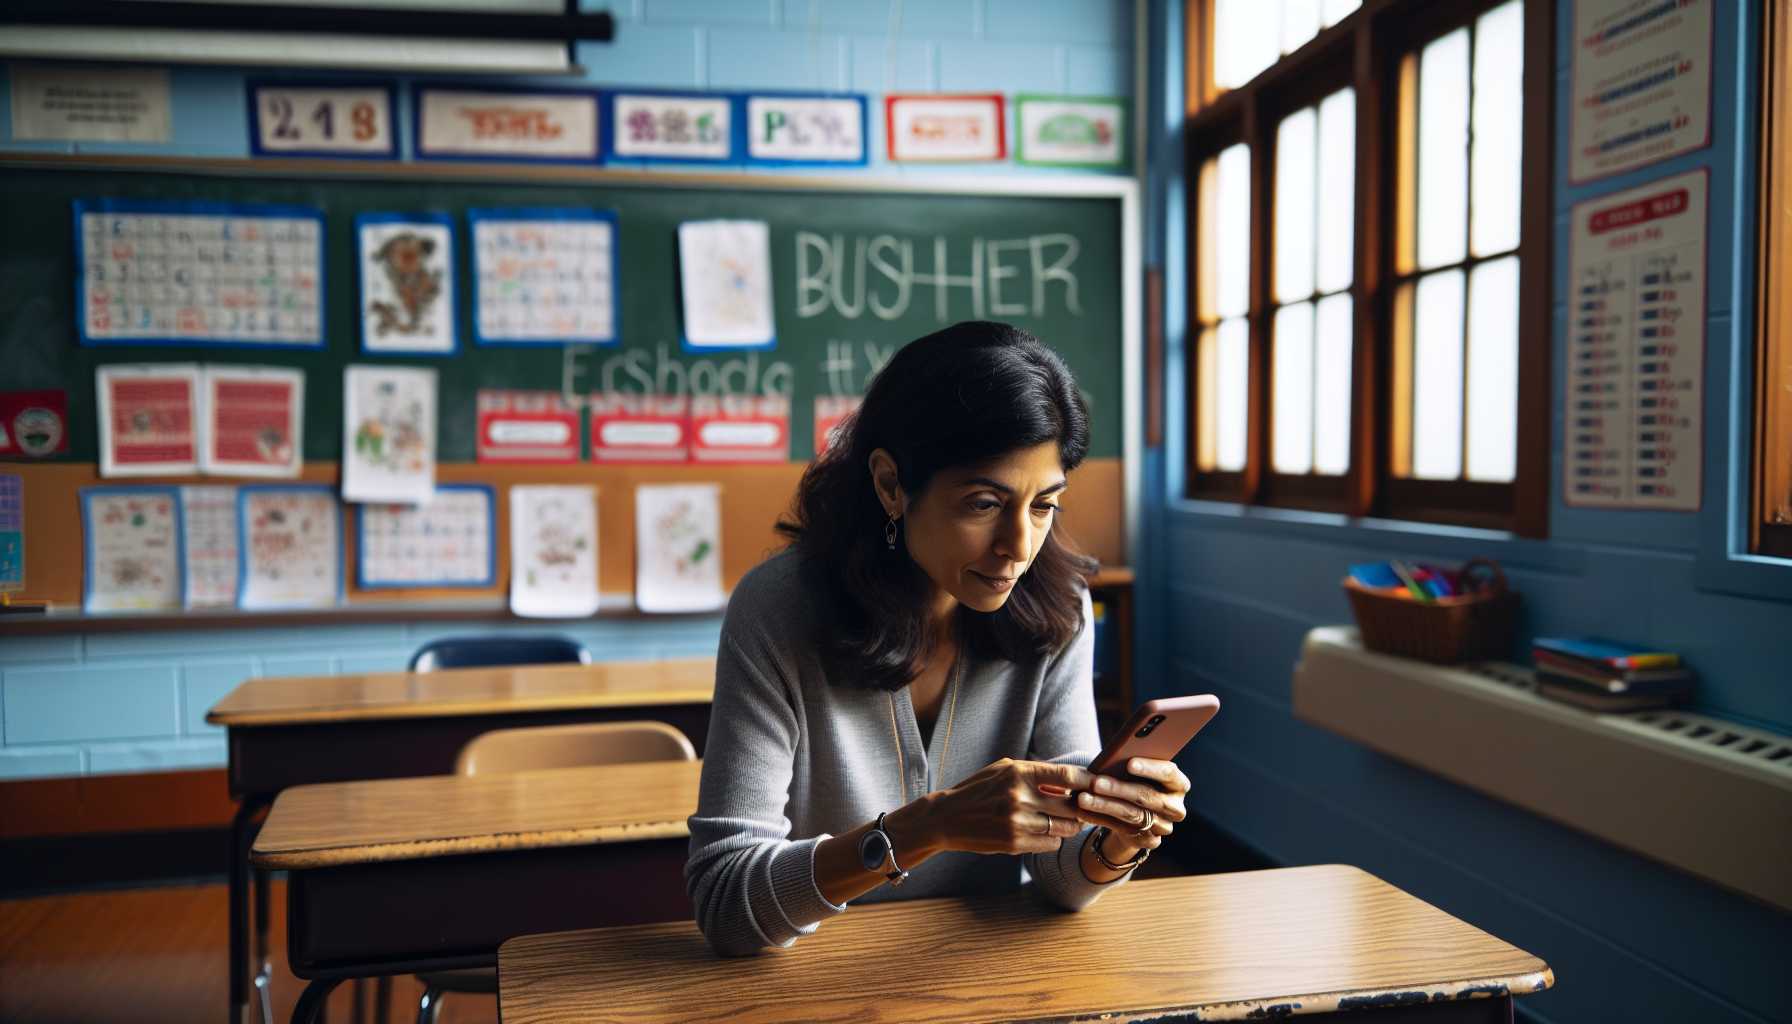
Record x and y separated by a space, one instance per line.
874 849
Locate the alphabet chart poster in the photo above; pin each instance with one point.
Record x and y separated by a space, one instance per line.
446 543
133 548
1635 393
545 277
289 539
197 273
553 551
725 269
209 534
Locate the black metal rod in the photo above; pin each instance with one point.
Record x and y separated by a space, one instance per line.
451 24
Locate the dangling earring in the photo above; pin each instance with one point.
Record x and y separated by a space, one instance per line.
890 534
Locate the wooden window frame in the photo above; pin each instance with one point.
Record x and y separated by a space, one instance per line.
1774 338
1365 51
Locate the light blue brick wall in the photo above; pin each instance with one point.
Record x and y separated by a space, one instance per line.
136 701
1079 47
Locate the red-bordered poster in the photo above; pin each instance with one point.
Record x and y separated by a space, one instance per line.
539 427
956 128
255 421
634 428
148 418
740 428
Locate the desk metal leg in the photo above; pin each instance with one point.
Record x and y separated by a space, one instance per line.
264 967
242 835
311 1001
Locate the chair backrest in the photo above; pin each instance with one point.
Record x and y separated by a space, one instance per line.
532 748
480 651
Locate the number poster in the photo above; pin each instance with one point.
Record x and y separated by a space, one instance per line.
209 536
149 421
725 269
1635 393
254 421
198 273
553 551
446 543
389 434
133 548
289 543
544 277
334 120
678 560
407 283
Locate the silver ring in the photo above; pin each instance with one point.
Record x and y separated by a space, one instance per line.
1047 830
1150 820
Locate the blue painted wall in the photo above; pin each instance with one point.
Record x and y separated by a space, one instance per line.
112 702
1229 593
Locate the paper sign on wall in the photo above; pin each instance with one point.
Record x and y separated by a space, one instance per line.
389 434
629 428
806 129
725 267
209 538
289 545
33 424
522 125
407 283
133 548
1070 132
1642 83
446 543
321 120
671 126
149 422
12 532
545 277
254 421
951 128
553 551
526 427
678 536
1634 395
740 428
61 104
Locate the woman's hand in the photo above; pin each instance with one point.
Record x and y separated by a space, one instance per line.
1140 815
1001 808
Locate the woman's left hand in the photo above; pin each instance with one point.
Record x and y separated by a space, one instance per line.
1139 814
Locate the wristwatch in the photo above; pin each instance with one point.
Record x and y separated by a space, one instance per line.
876 848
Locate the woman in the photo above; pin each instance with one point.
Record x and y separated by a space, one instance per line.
904 696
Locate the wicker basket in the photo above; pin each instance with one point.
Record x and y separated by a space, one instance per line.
1475 626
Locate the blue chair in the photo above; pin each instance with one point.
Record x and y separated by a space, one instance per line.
482 651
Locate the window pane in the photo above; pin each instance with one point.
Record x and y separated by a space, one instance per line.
1499 143
1300 22
1232 244
1331 386
1493 371
1246 34
1207 400
1294 205
1293 377
1337 10
1233 381
1443 150
1437 377
1337 203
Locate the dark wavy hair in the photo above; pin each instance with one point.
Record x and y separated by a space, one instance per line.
973 392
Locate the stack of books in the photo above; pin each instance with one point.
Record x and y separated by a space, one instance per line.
1605 676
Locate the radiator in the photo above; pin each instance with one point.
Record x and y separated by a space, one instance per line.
1707 796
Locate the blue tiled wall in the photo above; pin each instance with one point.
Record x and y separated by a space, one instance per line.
136 701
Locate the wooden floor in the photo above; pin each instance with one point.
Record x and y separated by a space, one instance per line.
155 955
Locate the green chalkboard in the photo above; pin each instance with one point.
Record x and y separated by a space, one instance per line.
856 274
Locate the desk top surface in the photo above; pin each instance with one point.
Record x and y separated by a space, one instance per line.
1237 946
295 700
439 815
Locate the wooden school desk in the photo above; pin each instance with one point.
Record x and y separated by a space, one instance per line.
300 730
1258 944
397 876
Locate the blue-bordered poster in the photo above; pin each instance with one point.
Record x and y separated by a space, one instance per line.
545 276
134 556
407 302
506 123
154 272
672 127
289 546
449 542
825 129
334 119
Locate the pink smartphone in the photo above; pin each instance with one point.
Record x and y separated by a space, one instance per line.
1158 729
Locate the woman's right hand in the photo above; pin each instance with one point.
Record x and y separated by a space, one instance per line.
1001 808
